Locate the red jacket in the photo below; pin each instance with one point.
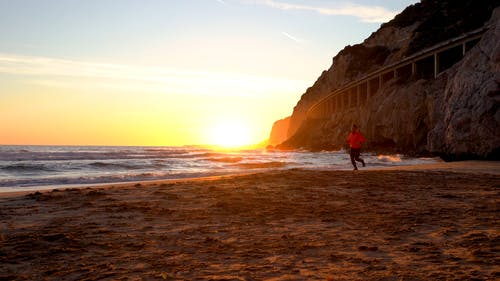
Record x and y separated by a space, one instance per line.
355 139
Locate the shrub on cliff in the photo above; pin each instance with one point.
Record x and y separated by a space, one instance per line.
441 20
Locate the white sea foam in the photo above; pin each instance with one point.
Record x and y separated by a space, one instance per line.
389 158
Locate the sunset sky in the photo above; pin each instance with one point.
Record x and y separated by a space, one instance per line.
166 72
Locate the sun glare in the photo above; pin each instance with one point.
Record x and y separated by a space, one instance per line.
230 134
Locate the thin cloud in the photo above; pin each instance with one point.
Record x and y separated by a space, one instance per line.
53 71
291 37
372 14
222 2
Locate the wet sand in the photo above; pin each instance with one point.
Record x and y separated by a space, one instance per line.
413 223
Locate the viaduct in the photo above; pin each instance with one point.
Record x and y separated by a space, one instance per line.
426 64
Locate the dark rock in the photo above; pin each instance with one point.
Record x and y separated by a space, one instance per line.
455 116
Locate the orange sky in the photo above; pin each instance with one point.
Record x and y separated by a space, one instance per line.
121 111
166 72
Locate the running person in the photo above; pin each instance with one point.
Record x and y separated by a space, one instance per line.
355 140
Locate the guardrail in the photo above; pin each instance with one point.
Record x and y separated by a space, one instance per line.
427 63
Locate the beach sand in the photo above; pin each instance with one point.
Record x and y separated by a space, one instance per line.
405 223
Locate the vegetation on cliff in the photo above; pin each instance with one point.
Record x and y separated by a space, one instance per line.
441 20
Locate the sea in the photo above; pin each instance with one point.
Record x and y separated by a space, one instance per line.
25 168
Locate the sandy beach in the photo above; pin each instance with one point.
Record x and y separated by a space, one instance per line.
406 223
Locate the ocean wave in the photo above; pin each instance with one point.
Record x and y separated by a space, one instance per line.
52 182
42 166
226 159
99 153
113 166
389 158
24 167
167 150
263 165
209 154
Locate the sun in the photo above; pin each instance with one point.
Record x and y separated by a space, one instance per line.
230 134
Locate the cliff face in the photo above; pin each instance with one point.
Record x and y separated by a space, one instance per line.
455 115
279 131
469 105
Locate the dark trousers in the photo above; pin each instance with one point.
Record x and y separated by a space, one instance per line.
355 152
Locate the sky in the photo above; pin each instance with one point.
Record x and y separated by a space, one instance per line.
167 72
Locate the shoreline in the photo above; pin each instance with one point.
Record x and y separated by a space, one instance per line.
48 188
468 166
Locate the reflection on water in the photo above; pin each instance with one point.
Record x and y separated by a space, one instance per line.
22 167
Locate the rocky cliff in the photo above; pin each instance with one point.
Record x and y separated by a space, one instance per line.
454 115
279 132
